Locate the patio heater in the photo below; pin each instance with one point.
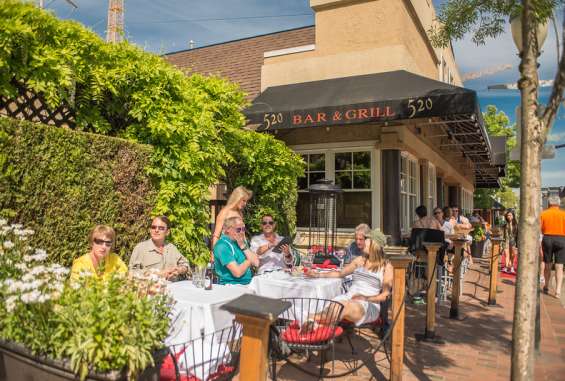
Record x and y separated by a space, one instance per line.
322 226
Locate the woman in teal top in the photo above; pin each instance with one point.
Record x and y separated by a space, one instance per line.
233 259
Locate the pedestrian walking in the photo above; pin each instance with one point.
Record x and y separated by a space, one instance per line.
553 243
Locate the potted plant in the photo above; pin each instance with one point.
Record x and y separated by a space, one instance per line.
479 237
52 328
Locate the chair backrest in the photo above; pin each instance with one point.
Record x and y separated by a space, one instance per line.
325 313
418 236
208 357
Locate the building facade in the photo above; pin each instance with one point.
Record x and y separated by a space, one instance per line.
370 104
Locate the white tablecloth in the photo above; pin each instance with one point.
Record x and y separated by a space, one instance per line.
198 310
283 285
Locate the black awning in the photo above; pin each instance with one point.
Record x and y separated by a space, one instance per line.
377 97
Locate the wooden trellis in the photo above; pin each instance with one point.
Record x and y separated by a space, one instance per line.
32 107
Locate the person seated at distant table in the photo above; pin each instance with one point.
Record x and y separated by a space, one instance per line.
355 248
233 257
100 262
158 254
264 243
372 284
424 221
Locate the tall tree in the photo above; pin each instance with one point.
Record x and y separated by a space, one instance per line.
485 19
497 123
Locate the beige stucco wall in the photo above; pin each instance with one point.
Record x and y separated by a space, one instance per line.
356 37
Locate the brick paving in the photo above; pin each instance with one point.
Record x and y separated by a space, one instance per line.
475 348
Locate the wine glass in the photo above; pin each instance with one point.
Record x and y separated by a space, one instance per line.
340 254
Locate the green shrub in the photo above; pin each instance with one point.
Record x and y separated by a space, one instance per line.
120 90
65 182
267 167
97 325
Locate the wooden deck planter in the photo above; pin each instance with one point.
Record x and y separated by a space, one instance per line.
18 364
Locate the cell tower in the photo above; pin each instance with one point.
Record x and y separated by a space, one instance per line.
115 31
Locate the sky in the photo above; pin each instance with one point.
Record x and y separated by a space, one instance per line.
162 26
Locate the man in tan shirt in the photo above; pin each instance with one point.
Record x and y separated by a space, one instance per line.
156 253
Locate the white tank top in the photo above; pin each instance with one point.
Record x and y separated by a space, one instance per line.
367 283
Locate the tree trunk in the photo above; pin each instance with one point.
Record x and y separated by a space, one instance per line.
530 188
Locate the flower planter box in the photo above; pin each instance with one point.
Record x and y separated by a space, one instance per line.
18 363
477 248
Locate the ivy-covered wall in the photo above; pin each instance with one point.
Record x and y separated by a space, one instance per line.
61 183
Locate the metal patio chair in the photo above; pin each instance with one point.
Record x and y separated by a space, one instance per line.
308 325
209 357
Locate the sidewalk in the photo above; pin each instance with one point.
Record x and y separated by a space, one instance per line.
476 348
479 347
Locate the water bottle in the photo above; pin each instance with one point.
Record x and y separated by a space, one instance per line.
208 277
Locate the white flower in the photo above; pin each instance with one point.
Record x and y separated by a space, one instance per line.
6 229
28 232
15 287
21 266
3 222
37 270
17 226
23 238
11 303
40 252
8 244
31 297
38 257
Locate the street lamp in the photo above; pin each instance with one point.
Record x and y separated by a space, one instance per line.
516 28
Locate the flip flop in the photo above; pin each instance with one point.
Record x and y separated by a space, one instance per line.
546 290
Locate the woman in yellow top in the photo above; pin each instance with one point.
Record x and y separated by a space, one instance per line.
101 241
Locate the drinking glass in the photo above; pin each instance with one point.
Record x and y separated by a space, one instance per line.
340 254
307 260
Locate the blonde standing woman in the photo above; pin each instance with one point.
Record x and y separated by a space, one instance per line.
237 201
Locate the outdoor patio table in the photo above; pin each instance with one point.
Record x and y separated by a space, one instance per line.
198 310
280 284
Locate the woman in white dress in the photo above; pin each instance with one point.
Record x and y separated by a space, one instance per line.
372 284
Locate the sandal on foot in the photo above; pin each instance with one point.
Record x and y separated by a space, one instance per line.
546 290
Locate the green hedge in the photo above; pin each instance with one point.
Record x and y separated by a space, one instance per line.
61 183
194 124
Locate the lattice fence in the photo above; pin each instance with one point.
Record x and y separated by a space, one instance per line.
32 107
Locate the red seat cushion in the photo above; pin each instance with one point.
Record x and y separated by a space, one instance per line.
223 370
319 334
168 372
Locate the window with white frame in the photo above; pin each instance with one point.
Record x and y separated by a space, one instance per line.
351 170
466 201
432 184
408 191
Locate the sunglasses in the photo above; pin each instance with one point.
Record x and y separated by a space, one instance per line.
99 241
160 228
267 222
239 230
